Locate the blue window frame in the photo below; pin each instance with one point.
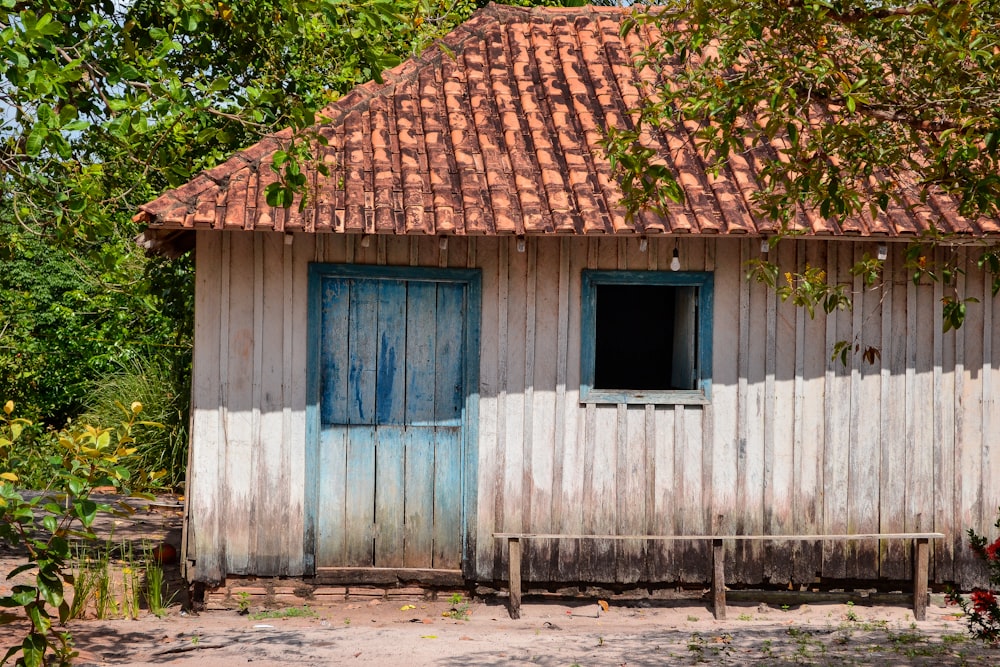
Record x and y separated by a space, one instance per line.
646 337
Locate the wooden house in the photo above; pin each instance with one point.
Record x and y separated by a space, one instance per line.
459 335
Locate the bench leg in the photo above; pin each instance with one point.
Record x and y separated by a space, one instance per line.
718 581
514 576
920 568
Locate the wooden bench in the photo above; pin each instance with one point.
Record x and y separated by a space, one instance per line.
921 558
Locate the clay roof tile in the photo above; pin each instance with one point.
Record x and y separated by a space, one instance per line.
498 130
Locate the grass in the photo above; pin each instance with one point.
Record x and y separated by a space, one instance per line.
459 608
287 612
160 448
112 580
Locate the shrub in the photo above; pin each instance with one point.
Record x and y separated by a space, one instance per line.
42 524
982 611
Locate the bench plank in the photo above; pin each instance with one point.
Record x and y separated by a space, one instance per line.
674 538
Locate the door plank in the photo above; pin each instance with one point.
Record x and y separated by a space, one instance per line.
447 497
419 511
389 485
389 382
331 544
334 361
448 367
421 321
362 350
360 495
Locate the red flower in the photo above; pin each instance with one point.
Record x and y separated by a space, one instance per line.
993 551
983 601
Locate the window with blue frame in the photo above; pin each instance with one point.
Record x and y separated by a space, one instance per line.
646 337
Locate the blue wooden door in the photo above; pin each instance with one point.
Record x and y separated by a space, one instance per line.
392 390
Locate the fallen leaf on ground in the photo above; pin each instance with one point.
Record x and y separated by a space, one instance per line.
428 636
604 604
407 607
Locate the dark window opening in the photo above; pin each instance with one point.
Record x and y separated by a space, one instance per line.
646 337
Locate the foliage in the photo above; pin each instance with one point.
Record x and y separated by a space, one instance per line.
105 104
43 524
66 322
849 91
149 381
982 611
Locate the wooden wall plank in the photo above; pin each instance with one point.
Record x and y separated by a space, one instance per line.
737 556
811 416
604 475
568 499
863 514
544 347
725 389
500 444
274 487
295 370
838 414
490 463
968 414
688 428
255 505
515 360
752 475
239 391
662 560
203 489
921 472
538 555
944 435
898 373
781 428
631 494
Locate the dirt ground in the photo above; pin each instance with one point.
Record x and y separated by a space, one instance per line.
367 631
547 634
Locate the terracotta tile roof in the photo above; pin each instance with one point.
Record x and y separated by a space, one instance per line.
498 133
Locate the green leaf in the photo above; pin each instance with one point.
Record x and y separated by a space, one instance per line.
50 588
66 114
23 595
19 569
33 144
33 650
38 618
86 511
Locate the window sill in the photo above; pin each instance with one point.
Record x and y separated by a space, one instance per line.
652 397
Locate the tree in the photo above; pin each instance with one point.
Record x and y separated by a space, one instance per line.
103 105
855 90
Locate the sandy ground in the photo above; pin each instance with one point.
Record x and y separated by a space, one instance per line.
547 634
363 631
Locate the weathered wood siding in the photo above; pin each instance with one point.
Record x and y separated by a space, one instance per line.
792 441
